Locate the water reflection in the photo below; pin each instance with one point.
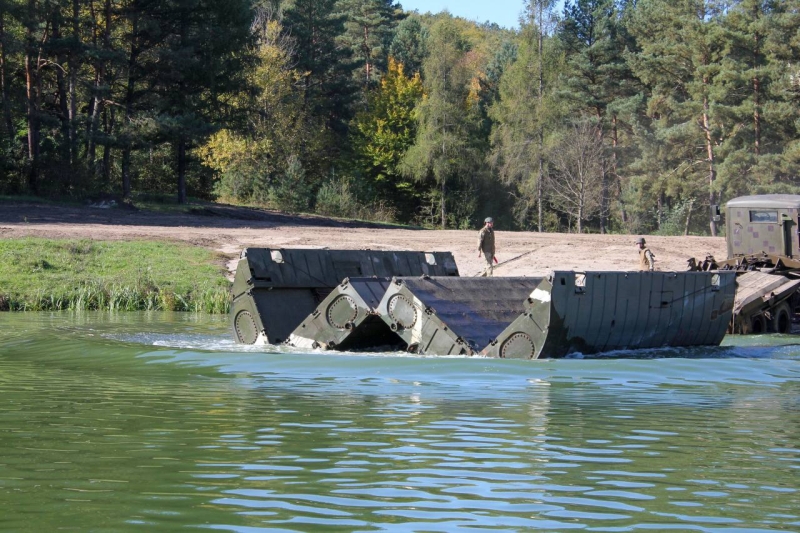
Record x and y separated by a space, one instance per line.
122 423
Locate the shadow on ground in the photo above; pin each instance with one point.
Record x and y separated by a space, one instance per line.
199 215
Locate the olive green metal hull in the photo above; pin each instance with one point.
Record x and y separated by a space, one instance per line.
453 316
604 311
348 319
343 300
274 291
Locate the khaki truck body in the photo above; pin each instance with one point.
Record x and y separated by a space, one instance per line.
764 248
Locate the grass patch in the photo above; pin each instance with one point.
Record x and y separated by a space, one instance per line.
56 275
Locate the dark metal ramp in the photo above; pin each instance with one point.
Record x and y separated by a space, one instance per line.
442 316
347 319
275 290
603 311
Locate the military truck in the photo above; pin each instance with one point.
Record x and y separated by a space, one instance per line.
764 248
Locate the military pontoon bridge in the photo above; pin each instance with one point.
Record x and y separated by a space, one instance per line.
416 301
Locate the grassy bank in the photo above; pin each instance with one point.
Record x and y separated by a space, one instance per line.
54 275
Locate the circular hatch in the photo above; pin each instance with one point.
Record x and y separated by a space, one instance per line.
342 311
518 346
402 311
245 326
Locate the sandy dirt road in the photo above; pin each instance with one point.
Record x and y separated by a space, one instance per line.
228 230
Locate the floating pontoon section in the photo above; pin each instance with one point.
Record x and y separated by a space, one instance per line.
603 311
443 316
275 290
347 319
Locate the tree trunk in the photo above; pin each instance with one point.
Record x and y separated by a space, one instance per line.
9 124
688 218
94 119
109 119
64 144
444 175
126 173
444 207
603 181
181 170
129 95
31 84
756 85
540 183
98 100
366 53
615 145
712 170
73 84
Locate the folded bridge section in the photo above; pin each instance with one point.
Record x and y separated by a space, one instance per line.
274 290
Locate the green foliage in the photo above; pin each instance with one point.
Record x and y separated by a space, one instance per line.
673 220
292 192
368 31
446 146
384 132
339 199
40 274
325 64
526 124
268 163
409 44
262 101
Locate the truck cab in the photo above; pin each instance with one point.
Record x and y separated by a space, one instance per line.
764 248
765 224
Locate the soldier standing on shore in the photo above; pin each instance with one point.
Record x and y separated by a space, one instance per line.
486 245
646 258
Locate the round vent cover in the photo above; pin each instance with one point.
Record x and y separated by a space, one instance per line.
245 326
517 346
342 311
402 311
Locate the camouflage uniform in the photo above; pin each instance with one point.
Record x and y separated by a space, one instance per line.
646 260
486 245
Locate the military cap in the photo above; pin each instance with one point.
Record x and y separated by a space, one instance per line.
489 219
640 240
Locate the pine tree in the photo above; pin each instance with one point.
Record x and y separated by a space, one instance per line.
445 146
681 48
368 30
754 99
525 119
593 37
409 44
316 28
197 69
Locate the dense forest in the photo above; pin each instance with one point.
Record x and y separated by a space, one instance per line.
604 116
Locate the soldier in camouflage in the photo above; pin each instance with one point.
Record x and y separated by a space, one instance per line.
646 258
486 245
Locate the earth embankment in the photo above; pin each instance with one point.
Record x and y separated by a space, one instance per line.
227 230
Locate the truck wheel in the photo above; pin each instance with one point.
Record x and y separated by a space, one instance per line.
758 325
782 319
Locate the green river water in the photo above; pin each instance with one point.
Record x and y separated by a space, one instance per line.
158 422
